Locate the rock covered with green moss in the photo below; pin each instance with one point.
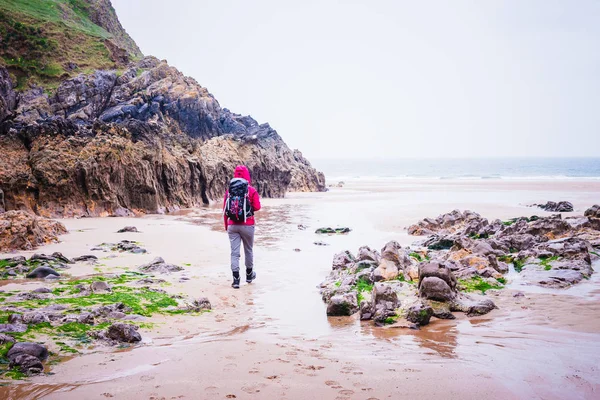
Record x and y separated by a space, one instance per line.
546 251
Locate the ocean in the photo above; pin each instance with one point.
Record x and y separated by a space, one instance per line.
493 168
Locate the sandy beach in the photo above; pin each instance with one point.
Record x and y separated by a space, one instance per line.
273 340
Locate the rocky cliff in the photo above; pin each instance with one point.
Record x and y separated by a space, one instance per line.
138 138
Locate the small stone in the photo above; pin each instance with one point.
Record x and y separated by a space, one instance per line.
128 229
42 272
100 287
123 333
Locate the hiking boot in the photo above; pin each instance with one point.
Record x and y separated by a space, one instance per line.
250 277
236 283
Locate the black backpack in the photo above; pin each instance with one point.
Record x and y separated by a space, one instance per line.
237 206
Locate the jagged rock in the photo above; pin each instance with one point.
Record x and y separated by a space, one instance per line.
343 260
159 265
365 253
561 206
68 148
123 333
20 230
2 205
387 270
26 364
42 272
341 305
366 310
419 314
33 349
128 229
593 211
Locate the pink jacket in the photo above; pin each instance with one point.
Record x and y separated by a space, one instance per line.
242 172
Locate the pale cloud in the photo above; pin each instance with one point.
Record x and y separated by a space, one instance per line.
392 78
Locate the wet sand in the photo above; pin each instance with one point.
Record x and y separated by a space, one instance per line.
272 339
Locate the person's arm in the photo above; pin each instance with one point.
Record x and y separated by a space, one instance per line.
224 215
255 201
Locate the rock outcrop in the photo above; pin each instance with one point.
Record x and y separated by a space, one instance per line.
551 206
144 138
21 230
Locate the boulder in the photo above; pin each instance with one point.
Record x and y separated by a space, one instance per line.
472 307
593 211
435 288
27 364
342 305
42 272
419 314
383 292
387 270
439 270
441 310
6 339
33 349
123 333
391 252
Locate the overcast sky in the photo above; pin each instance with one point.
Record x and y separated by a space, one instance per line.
345 79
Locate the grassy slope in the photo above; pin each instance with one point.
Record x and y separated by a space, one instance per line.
42 39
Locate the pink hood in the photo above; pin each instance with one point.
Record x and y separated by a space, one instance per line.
242 172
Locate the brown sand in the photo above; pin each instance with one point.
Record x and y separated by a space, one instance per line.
272 340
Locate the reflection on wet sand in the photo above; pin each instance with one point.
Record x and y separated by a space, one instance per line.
274 224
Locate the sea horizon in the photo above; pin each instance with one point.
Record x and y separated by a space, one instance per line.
507 168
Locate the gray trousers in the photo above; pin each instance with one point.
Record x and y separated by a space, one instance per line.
237 234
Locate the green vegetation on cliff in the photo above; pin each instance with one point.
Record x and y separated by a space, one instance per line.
46 41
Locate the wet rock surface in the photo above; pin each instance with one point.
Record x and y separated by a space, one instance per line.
551 206
21 230
463 257
95 137
159 265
